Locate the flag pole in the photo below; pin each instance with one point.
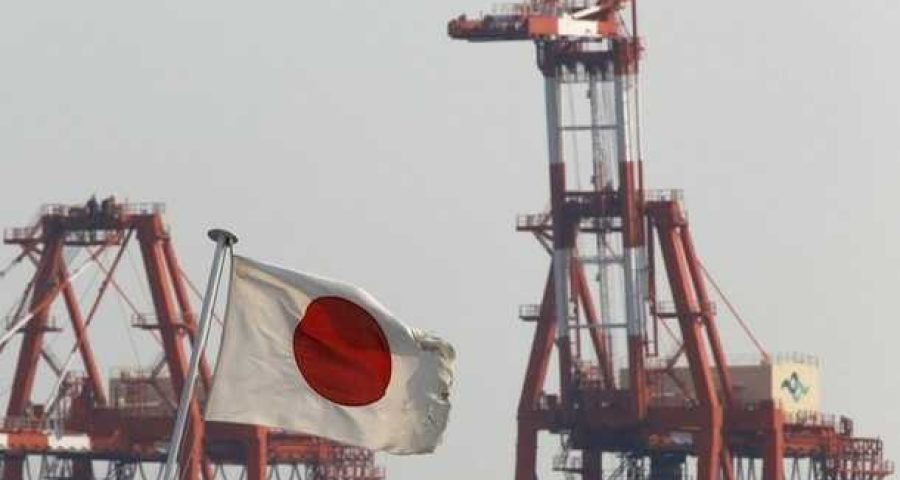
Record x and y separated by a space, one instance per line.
224 240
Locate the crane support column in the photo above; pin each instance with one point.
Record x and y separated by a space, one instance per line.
672 409
45 290
563 234
625 58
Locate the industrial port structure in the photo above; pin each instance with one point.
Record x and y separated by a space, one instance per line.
675 408
85 430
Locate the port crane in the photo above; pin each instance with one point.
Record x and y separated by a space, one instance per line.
675 407
89 428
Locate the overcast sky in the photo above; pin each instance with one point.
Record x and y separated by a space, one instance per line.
354 139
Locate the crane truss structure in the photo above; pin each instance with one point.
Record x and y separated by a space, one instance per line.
614 418
86 431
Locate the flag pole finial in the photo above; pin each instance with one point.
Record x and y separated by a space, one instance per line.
220 233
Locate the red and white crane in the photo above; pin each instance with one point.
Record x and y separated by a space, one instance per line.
125 425
675 407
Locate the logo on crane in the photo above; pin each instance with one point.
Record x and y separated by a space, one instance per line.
795 387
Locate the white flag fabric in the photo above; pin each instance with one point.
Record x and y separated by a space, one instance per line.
307 354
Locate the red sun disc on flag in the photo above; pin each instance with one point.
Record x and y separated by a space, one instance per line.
342 352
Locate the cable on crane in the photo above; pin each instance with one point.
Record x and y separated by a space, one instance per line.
15 310
573 136
131 342
199 296
20 322
13 263
734 312
84 292
56 391
122 297
137 277
108 280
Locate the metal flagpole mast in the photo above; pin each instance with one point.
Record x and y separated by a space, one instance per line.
224 240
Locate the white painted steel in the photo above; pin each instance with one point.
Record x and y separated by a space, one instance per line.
603 179
570 27
69 443
552 104
634 291
560 255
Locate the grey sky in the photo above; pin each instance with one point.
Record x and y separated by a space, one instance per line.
355 140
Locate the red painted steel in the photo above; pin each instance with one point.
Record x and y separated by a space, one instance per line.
121 427
688 308
629 423
184 304
32 343
708 318
82 342
149 234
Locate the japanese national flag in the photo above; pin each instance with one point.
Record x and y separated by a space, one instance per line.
308 354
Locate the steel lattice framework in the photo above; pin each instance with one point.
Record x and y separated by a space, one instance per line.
128 425
623 426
